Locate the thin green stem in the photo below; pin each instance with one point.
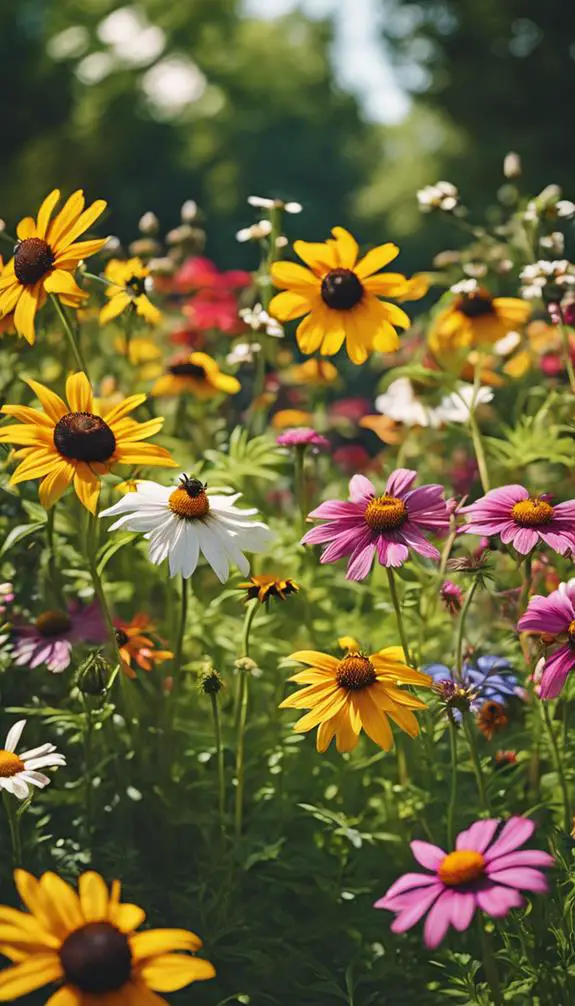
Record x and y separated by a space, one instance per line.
14 826
453 781
475 431
181 633
87 732
557 760
77 352
461 628
53 571
219 758
300 486
475 759
526 583
490 964
566 346
92 550
242 720
398 615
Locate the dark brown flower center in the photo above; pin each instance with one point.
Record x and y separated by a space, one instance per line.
137 284
384 513
474 305
82 436
96 958
188 370
33 258
53 623
341 289
121 637
355 672
532 512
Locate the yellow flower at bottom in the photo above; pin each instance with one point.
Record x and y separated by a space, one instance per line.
356 692
197 374
127 287
339 297
86 942
72 443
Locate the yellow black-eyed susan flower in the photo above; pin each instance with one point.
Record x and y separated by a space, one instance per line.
474 318
127 288
265 586
197 374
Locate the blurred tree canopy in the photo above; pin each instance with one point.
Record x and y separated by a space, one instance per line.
78 109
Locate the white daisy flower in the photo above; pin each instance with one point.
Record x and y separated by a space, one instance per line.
456 407
401 403
182 522
20 771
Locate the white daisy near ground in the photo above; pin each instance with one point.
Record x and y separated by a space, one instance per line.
20 771
182 522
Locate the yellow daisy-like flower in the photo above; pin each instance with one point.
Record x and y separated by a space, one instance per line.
143 354
46 255
313 372
357 692
285 419
72 443
128 290
197 374
339 297
264 586
86 942
6 323
474 318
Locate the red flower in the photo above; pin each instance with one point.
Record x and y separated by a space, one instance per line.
199 273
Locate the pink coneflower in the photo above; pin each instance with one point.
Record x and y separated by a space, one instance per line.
523 520
553 618
481 873
50 638
452 596
303 436
390 524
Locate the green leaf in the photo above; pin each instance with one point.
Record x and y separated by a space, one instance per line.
18 533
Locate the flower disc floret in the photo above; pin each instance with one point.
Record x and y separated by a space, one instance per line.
10 764
532 512
355 672
341 289
461 867
385 512
475 305
96 958
33 258
53 623
189 507
82 436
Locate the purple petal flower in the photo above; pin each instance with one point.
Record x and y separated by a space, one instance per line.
303 436
49 640
482 873
389 525
553 618
522 520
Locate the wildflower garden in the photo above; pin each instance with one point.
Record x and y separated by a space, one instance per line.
288 611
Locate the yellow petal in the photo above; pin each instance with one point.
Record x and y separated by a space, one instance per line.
315 659
417 287
28 976
45 213
127 917
325 709
35 466
307 698
54 485
375 722
358 337
60 281
118 303
52 404
87 487
346 738
93 896
310 332
319 256
64 900
325 734
147 310
25 312
170 972
26 228
162 941
376 259
346 247
79 393
65 218
387 284
334 336
226 383
405 720
69 258
84 221
394 314
66 996
294 277
288 305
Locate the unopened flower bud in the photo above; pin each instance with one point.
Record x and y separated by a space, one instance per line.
94 674
512 165
149 224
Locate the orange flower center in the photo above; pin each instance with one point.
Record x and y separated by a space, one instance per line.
532 512
461 867
10 764
96 959
82 436
341 289
191 507
385 512
355 672
53 623
33 258
474 305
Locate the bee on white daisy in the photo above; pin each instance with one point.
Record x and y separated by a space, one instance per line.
18 772
182 522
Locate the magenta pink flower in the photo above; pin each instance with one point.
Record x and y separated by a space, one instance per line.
481 873
389 524
50 638
303 436
553 618
523 520
452 596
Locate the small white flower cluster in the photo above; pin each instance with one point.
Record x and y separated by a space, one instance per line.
258 231
538 276
468 286
441 196
263 203
549 204
553 243
260 321
243 352
400 403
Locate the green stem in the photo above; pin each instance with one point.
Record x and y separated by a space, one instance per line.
92 550
181 633
453 790
14 826
526 584
300 486
398 615
475 759
220 758
461 628
490 964
77 352
476 433
88 768
566 351
243 716
567 817
53 572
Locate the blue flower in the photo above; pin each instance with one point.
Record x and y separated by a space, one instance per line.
489 678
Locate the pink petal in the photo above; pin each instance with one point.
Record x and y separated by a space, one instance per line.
360 562
413 912
344 544
391 553
560 541
514 833
462 909
525 540
429 497
400 481
320 534
498 901
427 855
414 539
337 509
479 835
407 882
505 496
437 922
555 672
548 614
360 489
521 857
524 878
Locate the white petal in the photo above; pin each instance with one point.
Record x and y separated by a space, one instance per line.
212 549
230 547
192 550
177 552
20 787
14 735
161 539
37 752
35 779
48 761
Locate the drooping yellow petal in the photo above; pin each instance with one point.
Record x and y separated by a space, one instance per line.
357 337
60 281
87 486
334 336
147 310
29 975
375 722
405 720
51 403
294 277
118 303
54 485
162 941
310 332
66 996
314 658
79 393
288 305
325 734
376 259
25 312
346 739
171 972
45 212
